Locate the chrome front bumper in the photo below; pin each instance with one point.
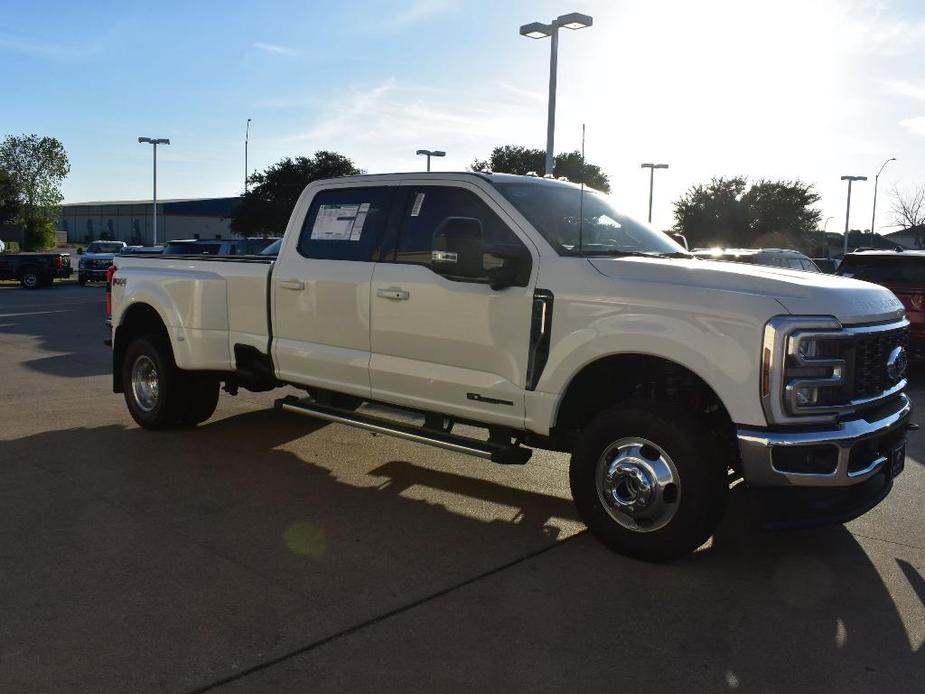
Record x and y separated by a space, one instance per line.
757 446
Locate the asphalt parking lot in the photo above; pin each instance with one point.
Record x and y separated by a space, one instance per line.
266 551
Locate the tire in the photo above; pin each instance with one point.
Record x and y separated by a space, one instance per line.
202 398
644 444
154 387
30 279
82 281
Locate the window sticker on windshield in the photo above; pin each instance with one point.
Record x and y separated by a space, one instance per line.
418 201
359 221
335 222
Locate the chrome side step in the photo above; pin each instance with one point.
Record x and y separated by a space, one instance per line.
506 454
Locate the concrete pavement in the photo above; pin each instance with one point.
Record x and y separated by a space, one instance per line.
268 552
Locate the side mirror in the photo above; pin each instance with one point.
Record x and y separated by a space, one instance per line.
80 250
457 249
507 265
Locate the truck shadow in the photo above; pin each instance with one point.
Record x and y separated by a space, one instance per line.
66 321
315 514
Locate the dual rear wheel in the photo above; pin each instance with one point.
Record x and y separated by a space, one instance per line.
158 394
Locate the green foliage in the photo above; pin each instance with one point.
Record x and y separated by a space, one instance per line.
40 234
515 159
11 247
37 166
10 198
265 209
727 212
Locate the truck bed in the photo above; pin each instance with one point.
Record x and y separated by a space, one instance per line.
209 304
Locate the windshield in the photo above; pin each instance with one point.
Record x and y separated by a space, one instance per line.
273 248
103 247
553 208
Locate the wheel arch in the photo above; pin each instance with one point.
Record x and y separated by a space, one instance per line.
608 380
139 319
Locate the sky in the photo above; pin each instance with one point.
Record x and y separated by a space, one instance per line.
793 89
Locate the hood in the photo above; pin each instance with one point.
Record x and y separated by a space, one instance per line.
801 293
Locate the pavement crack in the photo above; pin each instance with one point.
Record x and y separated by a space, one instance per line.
379 618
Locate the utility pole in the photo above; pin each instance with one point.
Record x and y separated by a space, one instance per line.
154 141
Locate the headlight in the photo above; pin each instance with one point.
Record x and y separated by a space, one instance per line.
803 371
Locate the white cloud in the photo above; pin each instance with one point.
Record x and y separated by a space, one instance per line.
916 126
903 88
45 50
421 9
275 48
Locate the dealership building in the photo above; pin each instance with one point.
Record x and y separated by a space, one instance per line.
131 220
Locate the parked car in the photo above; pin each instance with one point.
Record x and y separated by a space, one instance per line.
95 261
903 273
251 246
826 265
775 257
35 270
484 299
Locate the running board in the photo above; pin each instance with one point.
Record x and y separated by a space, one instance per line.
495 452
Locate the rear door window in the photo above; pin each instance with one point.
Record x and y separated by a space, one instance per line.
345 224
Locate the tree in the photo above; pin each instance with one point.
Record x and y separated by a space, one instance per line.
515 159
727 212
37 166
265 209
714 214
908 207
10 203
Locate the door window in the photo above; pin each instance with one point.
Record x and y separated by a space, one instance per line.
345 224
427 207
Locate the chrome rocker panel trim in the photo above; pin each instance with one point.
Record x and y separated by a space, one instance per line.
755 446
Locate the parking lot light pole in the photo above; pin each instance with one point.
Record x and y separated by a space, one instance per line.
247 132
652 167
538 30
850 179
431 153
155 141
873 215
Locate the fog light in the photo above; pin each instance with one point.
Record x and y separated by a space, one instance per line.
806 460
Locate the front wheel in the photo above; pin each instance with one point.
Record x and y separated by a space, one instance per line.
648 482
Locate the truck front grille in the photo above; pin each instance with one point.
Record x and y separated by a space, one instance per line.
871 352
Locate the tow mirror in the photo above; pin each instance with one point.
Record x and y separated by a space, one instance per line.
80 250
457 249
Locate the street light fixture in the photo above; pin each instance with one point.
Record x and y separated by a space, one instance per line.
827 220
154 141
850 179
652 167
538 30
431 153
873 215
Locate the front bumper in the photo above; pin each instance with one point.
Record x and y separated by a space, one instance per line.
869 453
861 449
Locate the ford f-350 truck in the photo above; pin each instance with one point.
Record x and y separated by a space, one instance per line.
535 310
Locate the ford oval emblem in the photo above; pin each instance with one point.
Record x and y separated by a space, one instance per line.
897 363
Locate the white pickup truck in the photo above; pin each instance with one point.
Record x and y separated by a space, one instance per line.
533 309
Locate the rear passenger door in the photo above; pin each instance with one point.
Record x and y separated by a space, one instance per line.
453 346
320 290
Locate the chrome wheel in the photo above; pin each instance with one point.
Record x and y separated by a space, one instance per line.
30 280
145 383
638 484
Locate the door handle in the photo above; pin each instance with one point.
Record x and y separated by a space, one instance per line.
393 293
295 285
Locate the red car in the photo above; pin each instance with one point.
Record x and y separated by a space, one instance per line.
903 273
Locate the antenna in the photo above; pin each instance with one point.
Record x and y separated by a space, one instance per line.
581 201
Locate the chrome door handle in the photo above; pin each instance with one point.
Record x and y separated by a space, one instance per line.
295 285
393 293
